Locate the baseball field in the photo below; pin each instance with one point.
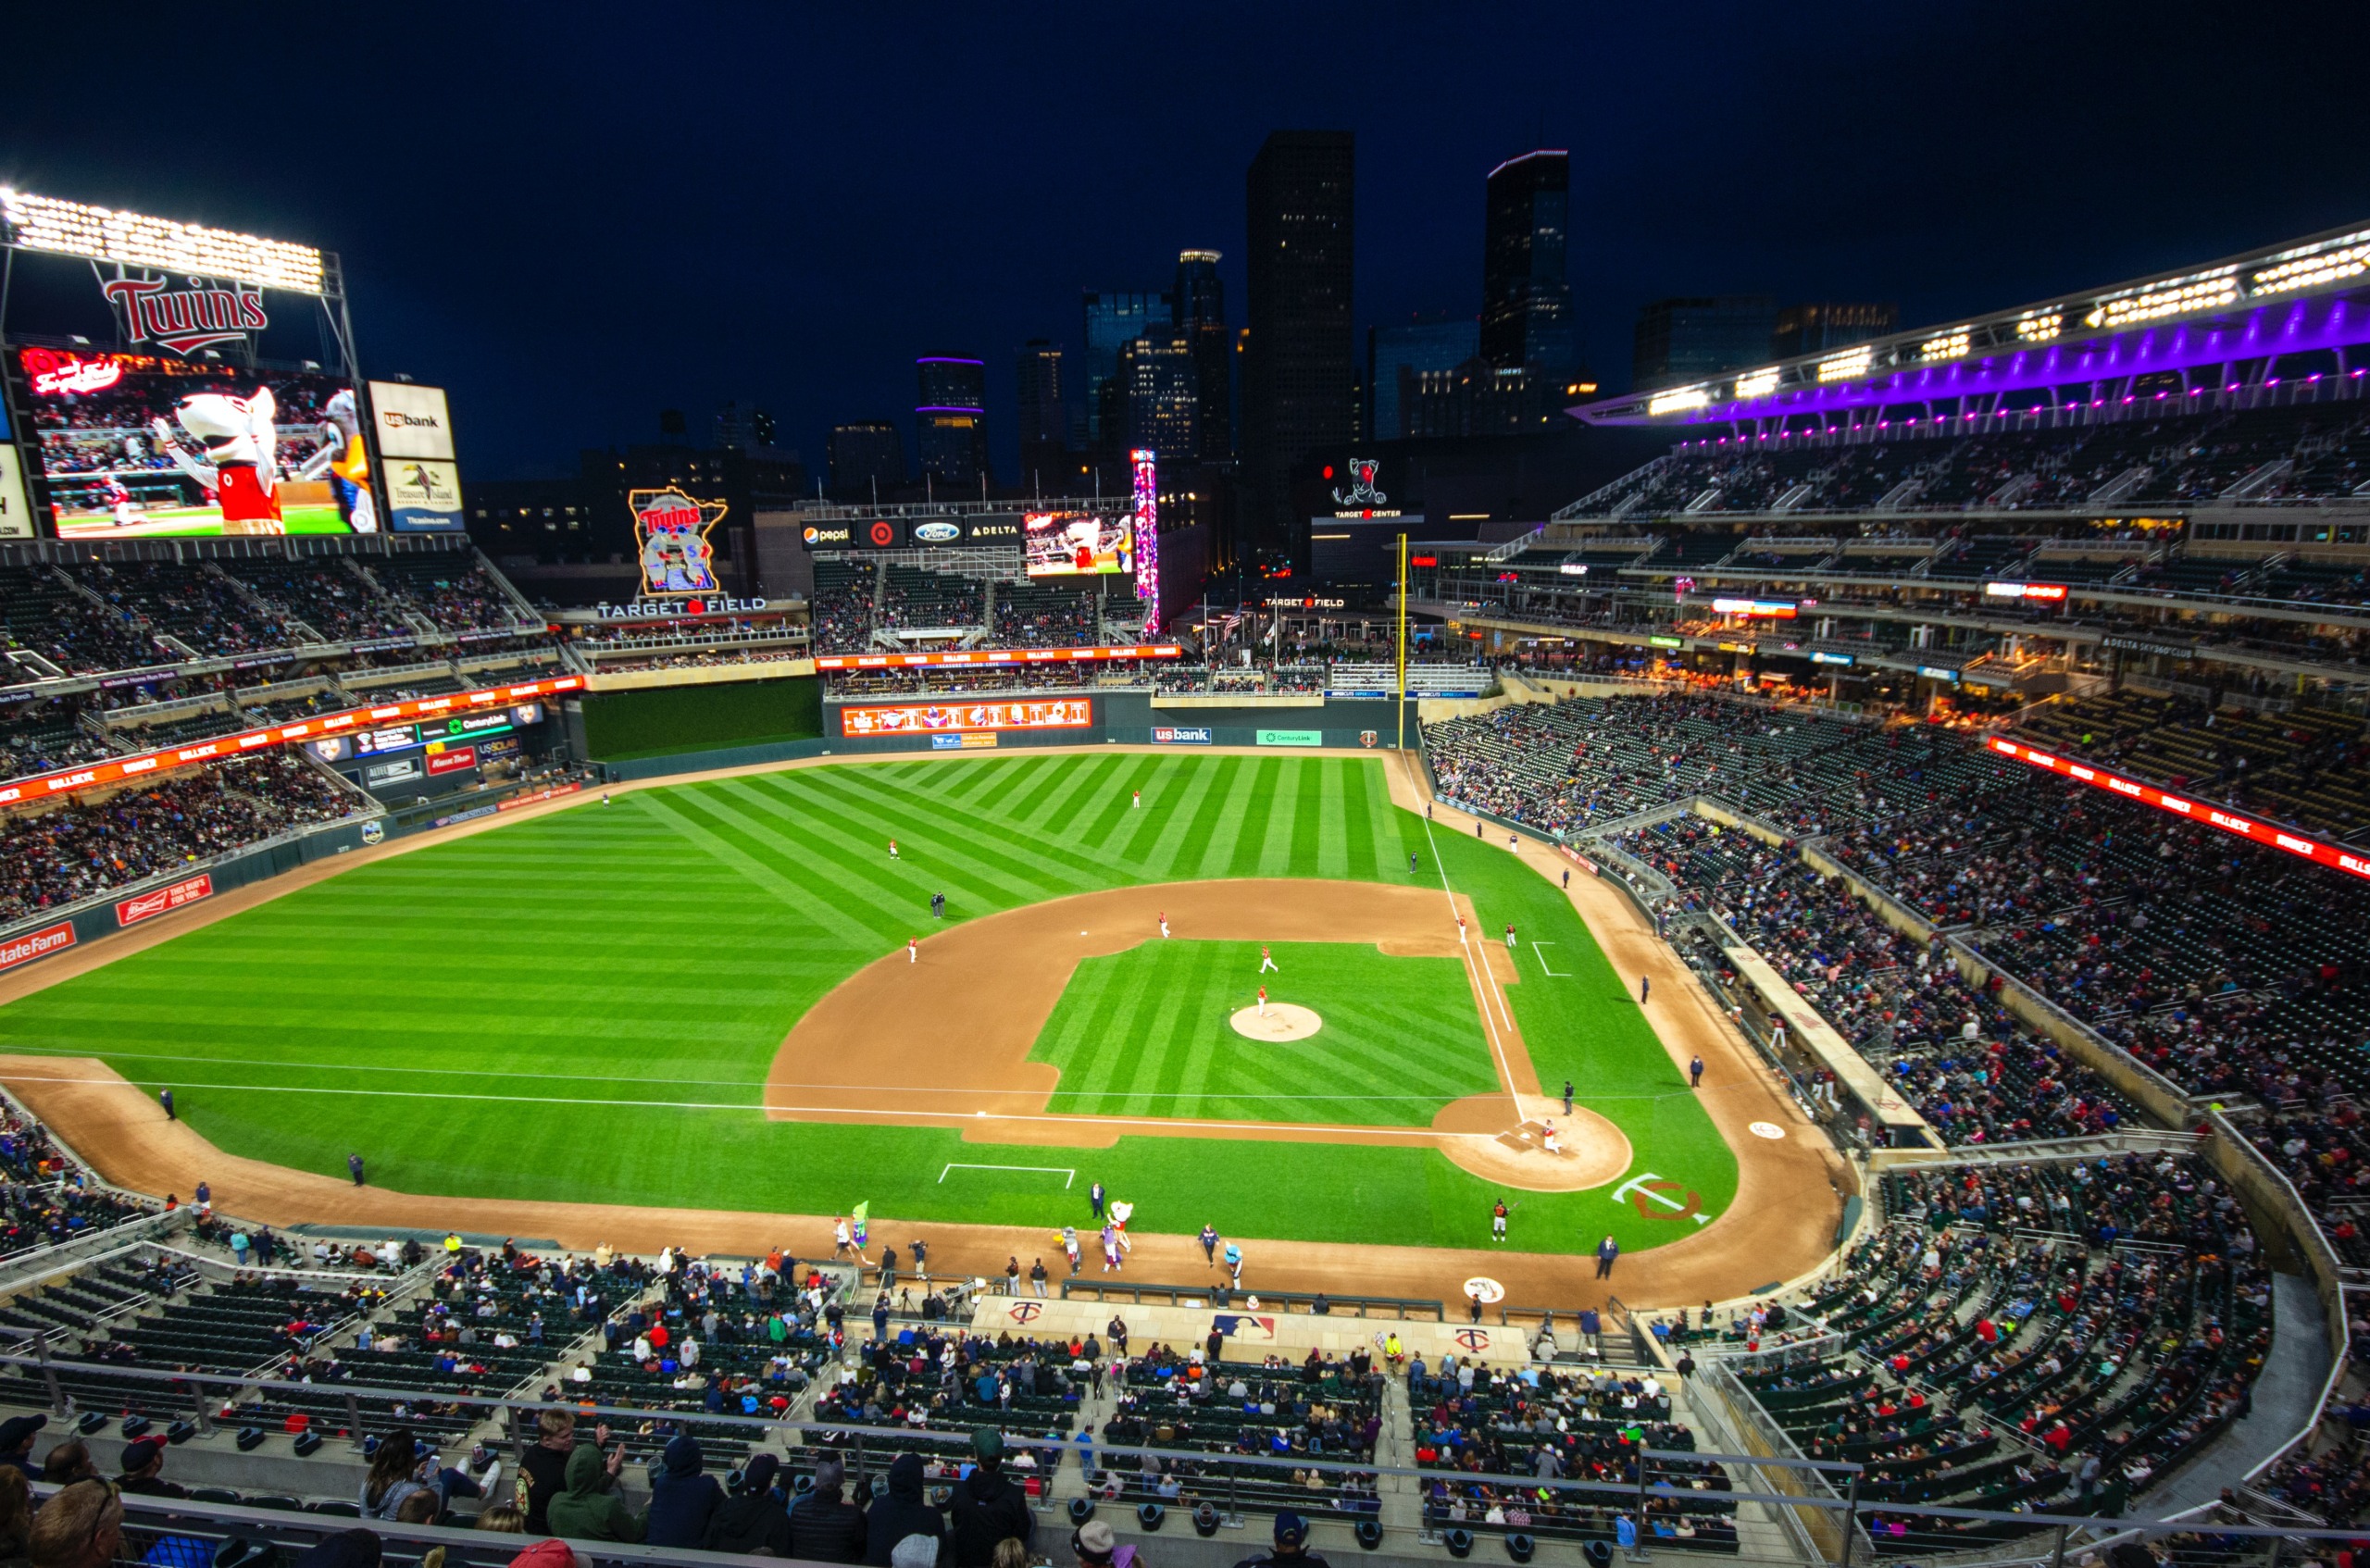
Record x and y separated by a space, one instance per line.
702 996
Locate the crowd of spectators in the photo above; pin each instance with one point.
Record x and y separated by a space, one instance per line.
86 847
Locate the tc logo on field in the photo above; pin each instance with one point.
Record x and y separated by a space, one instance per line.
1474 1339
1026 1311
1647 1188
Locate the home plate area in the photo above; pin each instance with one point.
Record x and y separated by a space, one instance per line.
1281 1021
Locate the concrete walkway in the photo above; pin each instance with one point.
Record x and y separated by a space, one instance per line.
2286 1393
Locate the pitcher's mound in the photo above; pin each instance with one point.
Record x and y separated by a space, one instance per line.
1283 1021
1504 1141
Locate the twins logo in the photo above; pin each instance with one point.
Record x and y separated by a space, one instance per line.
183 319
1646 1186
1026 1311
1474 1340
671 529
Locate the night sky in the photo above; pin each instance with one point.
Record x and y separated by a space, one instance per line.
573 225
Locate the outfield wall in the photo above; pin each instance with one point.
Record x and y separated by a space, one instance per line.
1148 718
633 726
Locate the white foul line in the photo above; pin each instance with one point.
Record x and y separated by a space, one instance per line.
1067 1172
1559 973
1485 988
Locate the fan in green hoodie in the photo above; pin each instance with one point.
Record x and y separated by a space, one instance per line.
585 1512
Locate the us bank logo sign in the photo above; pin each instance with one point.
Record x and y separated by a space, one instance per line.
670 531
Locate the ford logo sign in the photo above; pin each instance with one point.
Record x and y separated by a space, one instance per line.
937 533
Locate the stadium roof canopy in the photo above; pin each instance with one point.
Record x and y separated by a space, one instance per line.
2304 296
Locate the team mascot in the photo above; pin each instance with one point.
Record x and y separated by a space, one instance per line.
240 445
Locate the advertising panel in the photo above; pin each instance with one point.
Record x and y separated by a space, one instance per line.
1067 712
36 944
412 420
1292 737
423 496
180 379
1078 543
158 900
353 723
400 771
446 758
999 657
670 535
16 503
1180 735
969 740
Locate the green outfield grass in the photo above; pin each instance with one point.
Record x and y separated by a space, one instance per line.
173 522
584 1006
1146 1033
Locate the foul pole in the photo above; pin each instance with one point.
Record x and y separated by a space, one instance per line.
1403 641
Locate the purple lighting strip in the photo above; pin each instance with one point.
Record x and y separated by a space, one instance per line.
2285 327
1147 511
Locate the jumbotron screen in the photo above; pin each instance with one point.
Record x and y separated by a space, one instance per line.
1079 543
140 445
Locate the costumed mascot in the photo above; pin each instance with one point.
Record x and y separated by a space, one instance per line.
242 468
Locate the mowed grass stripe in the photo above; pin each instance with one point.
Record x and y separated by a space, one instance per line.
830 923
1170 791
1180 852
930 855
1051 809
1248 836
1357 832
871 898
988 839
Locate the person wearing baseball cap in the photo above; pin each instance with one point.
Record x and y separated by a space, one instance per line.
987 1510
144 1462
16 1442
1291 1547
1097 1548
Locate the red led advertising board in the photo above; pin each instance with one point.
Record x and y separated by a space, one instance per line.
36 944
158 901
450 759
997 656
927 718
115 770
2314 849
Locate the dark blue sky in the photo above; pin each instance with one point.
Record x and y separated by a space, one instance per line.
573 223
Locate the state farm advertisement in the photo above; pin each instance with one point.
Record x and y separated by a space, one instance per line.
160 900
36 944
1067 712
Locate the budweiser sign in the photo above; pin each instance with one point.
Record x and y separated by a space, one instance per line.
184 319
131 911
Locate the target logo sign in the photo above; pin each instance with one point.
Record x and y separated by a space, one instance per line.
883 533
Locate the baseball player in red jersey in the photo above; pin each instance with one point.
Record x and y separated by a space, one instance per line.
1266 964
1263 1002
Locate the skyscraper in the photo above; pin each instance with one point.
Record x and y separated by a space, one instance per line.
1398 354
1688 339
1526 298
1297 390
867 457
1817 326
1044 421
950 421
1198 308
1159 379
1112 317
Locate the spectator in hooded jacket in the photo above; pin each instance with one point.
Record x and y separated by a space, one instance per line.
588 1511
901 1512
824 1526
988 1508
683 1499
753 1518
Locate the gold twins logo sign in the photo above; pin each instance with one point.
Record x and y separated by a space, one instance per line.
670 534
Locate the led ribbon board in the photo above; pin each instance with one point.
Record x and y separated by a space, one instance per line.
2314 849
116 770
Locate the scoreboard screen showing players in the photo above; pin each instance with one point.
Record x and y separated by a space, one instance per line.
140 445
1078 543
174 380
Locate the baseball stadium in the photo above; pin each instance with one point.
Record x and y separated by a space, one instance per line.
1803 1007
